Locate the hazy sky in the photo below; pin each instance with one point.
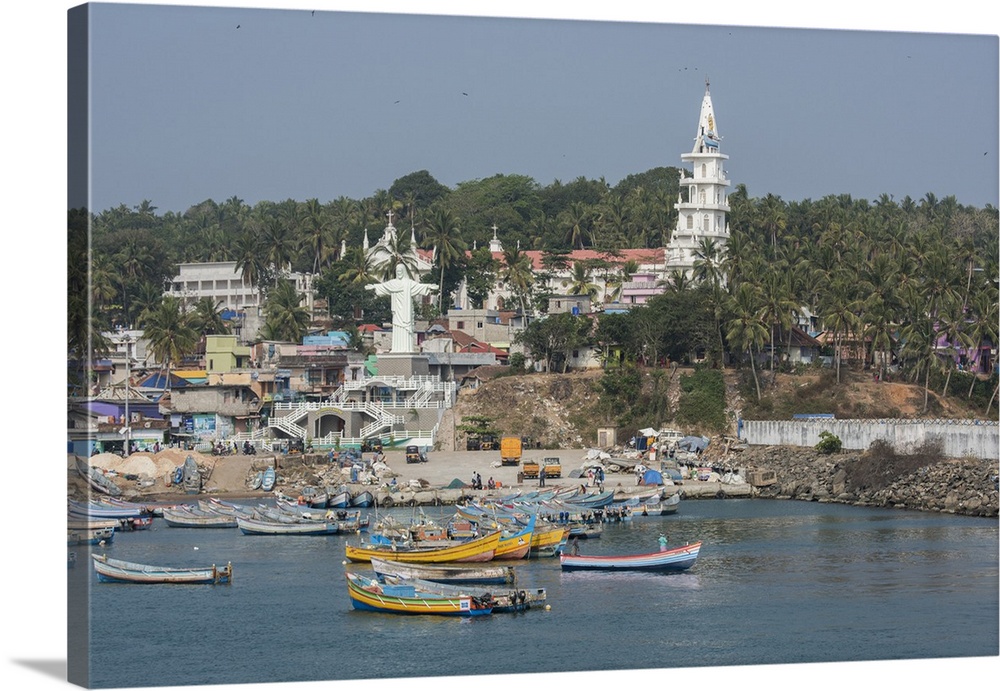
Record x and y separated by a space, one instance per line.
190 103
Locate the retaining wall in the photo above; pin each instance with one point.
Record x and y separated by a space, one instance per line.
978 438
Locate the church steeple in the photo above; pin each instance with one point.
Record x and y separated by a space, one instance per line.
702 201
708 138
495 245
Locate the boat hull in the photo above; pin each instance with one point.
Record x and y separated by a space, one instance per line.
514 600
478 550
117 571
249 526
488 574
367 595
676 559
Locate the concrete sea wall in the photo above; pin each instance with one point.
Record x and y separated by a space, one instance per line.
959 438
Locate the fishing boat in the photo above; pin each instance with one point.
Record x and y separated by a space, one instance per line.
255 480
676 559
547 540
591 501
89 536
185 516
314 497
585 531
486 574
192 476
102 510
213 504
363 500
516 544
339 500
477 550
117 571
368 594
513 600
256 526
97 478
268 479
659 507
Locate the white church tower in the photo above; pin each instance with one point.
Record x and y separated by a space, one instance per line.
701 202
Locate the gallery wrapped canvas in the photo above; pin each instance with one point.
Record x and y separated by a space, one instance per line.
324 264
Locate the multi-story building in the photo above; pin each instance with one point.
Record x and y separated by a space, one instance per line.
701 203
223 283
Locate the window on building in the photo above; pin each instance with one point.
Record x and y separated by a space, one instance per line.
706 224
690 222
460 325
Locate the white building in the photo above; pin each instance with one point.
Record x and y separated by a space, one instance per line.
224 283
701 202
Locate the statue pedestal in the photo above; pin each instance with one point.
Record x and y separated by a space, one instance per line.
402 364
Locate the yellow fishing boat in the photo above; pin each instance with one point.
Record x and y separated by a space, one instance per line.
547 539
480 549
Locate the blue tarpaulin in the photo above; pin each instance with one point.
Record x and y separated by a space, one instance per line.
652 477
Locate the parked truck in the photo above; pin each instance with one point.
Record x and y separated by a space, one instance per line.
510 451
553 468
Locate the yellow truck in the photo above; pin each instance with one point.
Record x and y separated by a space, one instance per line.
510 451
553 468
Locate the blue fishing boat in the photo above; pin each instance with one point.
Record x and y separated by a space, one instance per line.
267 481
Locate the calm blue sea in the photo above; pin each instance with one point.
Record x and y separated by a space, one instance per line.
776 582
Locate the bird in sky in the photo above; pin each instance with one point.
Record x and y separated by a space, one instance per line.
464 94
237 26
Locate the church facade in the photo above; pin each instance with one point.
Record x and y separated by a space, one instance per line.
702 206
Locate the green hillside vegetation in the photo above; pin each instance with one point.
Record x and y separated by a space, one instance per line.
907 288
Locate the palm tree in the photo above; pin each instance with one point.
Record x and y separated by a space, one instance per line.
580 283
444 236
920 346
398 251
983 324
277 244
317 229
952 336
250 263
518 275
169 333
677 282
576 221
779 308
206 317
878 330
837 312
707 261
285 319
361 270
747 329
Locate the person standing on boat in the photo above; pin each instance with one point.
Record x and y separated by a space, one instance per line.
663 542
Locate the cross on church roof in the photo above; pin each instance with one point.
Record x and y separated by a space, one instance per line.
390 216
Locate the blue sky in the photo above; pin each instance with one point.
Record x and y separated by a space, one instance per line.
190 103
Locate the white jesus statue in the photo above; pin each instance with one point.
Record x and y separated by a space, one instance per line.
402 290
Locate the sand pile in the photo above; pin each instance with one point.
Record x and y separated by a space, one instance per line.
151 465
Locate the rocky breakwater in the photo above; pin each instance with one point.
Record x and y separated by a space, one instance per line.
878 477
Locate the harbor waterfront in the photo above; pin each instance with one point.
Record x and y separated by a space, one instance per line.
776 582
